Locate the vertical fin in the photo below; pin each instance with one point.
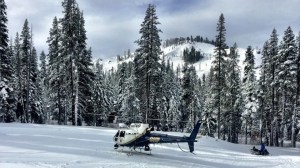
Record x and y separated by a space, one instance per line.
193 136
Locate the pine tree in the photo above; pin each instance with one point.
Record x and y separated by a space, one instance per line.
85 73
121 85
196 103
26 49
234 95
270 81
34 104
147 66
43 78
130 104
56 72
69 54
249 93
219 66
186 97
296 114
98 96
77 60
209 118
287 79
18 78
5 68
6 71
264 105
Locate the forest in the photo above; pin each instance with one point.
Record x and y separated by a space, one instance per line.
65 86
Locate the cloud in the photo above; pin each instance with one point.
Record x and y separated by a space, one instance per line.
113 26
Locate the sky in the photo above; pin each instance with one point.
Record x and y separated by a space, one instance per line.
113 25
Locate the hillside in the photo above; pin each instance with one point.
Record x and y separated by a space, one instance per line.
174 54
48 146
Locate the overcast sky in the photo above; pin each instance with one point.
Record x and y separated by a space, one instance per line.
113 25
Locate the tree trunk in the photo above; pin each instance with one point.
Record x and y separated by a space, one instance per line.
73 95
246 133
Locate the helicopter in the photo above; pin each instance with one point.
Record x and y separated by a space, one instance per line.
140 136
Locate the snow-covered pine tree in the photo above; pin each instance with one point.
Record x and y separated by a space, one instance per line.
44 87
85 73
6 71
56 72
36 115
77 60
121 72
165 100
147 66
111 93
196 104
130 104
209 116
170 91
219 66
264 103
98 96
287 79
272 96
186 97
249 93
296 113
69 55
233 96
18 78
26 49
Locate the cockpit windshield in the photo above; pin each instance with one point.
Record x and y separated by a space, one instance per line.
122 133
117 134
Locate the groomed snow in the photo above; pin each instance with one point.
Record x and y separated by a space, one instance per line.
48 146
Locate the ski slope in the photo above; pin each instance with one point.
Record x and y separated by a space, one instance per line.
174 53
49 146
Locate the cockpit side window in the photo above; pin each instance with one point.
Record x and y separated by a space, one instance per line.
117 134
122 133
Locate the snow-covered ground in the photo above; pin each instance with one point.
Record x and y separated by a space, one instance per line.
48 146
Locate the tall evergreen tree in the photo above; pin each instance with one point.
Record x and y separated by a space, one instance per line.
43 78
5 68
74 55
6 71
147 66
130 104
264 105
219 66
18 78
209 117
26 49
56 72
69 54
271 73
98 97
34 104
233 98
187 96
296 113
249 93
287 79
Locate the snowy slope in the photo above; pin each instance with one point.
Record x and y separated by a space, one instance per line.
175 55
47 146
